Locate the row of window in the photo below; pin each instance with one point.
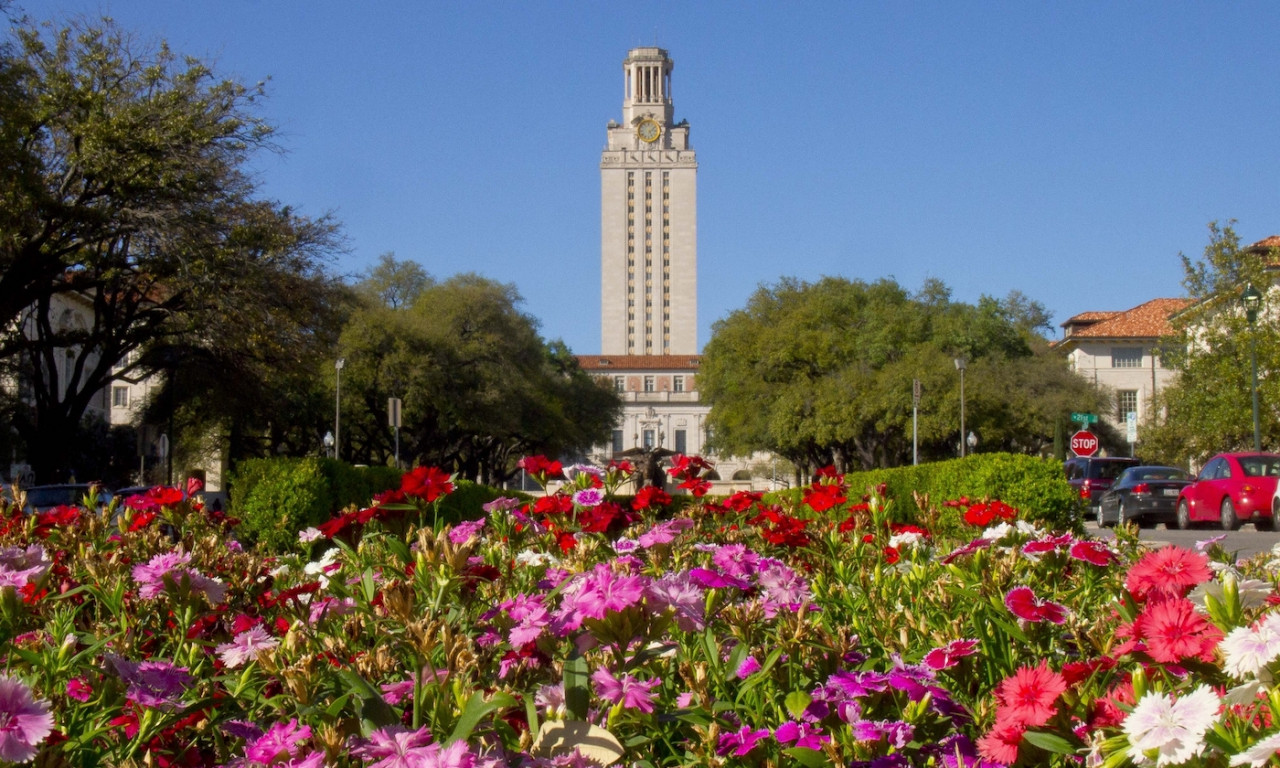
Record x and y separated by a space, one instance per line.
649 440
650 383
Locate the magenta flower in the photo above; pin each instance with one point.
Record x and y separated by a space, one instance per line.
593 594
151 576
588 497
741 741
24 721
748 667
154 684
803 734
1092 552
246 646
631 692
465 531
1024 604
282 741
736 560
397 747
685 598
664 532
712 580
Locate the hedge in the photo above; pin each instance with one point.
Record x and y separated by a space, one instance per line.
1036 487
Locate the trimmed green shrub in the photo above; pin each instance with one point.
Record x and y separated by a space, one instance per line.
1036 487
278 497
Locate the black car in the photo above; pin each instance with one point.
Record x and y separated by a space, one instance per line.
1143 495
1091 476
42 498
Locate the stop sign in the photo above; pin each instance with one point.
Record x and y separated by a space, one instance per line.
1084 443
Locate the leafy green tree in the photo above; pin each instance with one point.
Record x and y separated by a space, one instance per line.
822 373
1209 407
125 187
479 386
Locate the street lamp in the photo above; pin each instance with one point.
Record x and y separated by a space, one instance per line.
328 443
972 441
961 362
1251 298
337 408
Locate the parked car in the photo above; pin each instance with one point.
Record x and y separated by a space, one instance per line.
1233 488
1091 476
1145 495
41 498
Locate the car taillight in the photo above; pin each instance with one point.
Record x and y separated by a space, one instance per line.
1141 488
1248 488
1085 492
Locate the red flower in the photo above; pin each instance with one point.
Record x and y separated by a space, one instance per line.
1168 572
891 555
1093 552
820 498
650 496
140 520
553 505
828 472
540 468
1001 743
427 483
741 501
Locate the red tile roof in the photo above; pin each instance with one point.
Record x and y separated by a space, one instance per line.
1145 321
1265 244
639 362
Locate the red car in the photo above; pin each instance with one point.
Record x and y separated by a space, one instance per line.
1233 488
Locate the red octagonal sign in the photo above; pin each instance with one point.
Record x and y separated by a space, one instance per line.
1084 443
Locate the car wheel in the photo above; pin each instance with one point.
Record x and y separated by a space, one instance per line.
1102 519
1121 517
1184 515
1229 520
1269 523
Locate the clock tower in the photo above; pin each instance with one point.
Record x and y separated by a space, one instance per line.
648 219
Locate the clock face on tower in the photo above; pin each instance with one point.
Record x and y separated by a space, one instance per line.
648 131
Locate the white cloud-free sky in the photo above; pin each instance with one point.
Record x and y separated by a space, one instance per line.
1069 151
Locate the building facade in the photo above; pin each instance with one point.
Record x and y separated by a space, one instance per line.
648 219
1120 351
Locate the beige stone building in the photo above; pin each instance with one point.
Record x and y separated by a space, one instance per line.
1119 351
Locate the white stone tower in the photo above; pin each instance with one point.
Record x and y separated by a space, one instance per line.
648 219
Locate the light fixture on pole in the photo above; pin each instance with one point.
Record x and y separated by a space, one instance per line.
971 441
1251 298
961 364
328 444
337 408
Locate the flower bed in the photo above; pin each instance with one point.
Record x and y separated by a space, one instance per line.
570 630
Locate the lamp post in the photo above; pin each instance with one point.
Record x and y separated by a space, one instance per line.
972 441
337 408
328 444
960 366
1251 298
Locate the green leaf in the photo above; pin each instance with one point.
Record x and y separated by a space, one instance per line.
1050 742
374 711
577 691
808 757
797 702
476 709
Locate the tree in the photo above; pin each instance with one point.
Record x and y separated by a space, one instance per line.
822 373
479 386
1209 407
125 188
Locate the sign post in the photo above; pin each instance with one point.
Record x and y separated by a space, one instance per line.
393 421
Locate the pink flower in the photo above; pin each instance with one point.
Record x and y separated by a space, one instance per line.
24 721
1170 572
803 734
1174 631
398 747
748 667
281 741
79 689
1001 743
151 576
588 497
630 691
949 655
1024 604
246 646
1028 697
154 684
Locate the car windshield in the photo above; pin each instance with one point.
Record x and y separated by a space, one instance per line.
52 497
1260 466
1109 470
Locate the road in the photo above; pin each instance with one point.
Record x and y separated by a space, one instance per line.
1246 542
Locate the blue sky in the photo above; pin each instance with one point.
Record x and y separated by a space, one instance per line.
1070 151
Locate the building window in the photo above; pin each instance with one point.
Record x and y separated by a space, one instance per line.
1126 402
681 441
648 439
617 441
619 384
648 383
677 383
120 397
1126 357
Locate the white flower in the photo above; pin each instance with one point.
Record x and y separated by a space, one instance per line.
1246 651
529 557
905 539
1258 755
1029 529
1172 731
308 535
997 532
320 568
